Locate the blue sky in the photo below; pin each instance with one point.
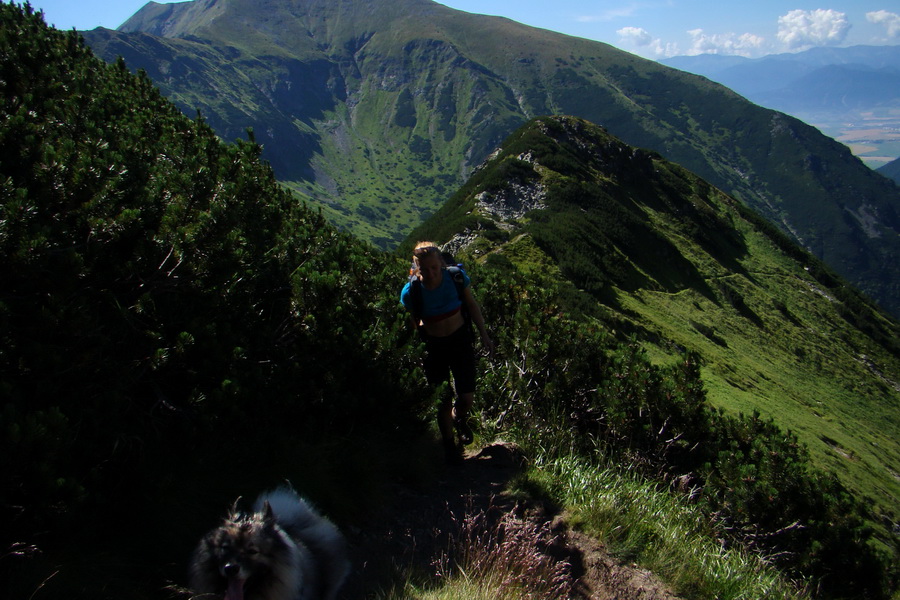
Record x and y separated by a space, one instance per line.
651 28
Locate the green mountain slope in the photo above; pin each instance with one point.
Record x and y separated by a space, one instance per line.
377 111
649 249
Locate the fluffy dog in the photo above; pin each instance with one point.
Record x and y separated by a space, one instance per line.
284 550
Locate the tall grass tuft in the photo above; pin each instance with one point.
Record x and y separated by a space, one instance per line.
658 530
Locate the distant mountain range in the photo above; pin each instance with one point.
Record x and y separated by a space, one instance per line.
378 111
851 94
855 76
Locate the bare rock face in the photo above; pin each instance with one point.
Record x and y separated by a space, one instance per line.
511 203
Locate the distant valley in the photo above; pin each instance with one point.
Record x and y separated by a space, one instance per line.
850 94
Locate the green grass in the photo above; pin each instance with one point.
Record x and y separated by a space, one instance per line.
658 530
807 370
381 190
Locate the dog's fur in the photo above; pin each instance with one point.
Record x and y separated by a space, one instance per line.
284 550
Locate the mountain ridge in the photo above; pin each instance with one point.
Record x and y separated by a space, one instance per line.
651 250
776 79
406 100
641 248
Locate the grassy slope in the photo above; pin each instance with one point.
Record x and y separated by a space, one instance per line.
770 333
807 369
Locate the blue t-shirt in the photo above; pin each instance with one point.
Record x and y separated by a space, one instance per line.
439 301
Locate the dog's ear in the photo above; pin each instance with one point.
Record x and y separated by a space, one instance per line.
235 511
268 513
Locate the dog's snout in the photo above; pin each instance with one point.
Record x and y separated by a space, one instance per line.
231 569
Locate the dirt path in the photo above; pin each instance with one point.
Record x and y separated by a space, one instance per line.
419 527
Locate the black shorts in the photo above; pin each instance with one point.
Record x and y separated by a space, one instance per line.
451 354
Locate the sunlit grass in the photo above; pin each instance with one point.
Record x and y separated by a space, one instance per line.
658 530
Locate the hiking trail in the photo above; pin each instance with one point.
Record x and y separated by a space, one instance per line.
418 525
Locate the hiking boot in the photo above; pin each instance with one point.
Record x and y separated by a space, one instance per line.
463 431
453 454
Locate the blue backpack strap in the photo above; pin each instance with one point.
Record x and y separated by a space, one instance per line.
456 274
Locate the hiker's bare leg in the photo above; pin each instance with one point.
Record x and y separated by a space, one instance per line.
445 420
461 417
464 404
452 450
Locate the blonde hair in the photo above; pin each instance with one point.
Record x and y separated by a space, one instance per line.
422 250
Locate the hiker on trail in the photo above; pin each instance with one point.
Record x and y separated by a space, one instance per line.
439 299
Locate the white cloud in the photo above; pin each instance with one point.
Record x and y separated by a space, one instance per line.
820 27
890 20
744 44
635 35
641 38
